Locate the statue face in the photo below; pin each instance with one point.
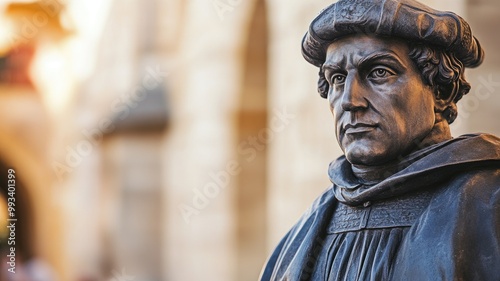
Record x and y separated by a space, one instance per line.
380 103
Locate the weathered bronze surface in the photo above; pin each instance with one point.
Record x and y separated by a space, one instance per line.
408 201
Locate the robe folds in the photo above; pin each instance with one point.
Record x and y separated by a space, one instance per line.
437 218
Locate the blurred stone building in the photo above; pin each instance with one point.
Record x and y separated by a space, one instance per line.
172 139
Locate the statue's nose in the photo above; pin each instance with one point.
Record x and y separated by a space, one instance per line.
354 94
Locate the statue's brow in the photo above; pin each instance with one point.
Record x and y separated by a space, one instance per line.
380 55
385 55
331 67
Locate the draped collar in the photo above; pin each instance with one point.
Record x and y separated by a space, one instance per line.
420 169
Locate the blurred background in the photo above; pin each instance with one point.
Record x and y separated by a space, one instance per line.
173 139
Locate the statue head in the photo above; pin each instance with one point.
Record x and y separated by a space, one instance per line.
392 71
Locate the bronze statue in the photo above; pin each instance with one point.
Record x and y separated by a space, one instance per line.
408 201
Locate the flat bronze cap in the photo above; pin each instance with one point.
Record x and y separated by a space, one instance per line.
406 19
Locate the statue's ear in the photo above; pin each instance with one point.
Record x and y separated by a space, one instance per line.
440 105
446 95
445 105
445 110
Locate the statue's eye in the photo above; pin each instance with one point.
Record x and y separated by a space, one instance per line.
380 73
338 79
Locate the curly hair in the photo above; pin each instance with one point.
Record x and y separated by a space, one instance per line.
440 69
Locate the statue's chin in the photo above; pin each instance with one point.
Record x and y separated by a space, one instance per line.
366 158
356 160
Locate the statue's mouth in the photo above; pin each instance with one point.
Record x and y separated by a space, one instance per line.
358 128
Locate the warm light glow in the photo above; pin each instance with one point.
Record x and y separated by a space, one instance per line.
6 33
60 67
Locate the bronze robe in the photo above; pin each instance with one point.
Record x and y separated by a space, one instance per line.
438 218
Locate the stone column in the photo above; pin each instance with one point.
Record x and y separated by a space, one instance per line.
200 151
